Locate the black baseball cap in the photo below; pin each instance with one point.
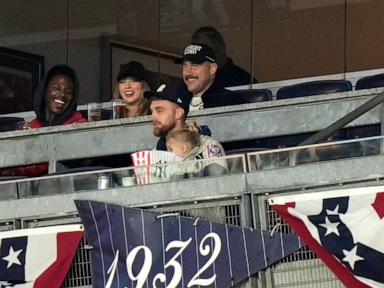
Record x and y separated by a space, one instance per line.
197 53
132 69
176 93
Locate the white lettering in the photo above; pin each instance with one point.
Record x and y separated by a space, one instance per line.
192 49
142 276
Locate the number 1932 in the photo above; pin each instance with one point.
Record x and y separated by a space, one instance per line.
141 277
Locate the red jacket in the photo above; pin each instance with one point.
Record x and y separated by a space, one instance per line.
75 118
39 169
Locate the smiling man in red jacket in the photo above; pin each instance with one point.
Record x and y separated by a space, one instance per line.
55 103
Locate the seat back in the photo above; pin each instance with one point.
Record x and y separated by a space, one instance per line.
255 95
314 88
9 123
370 82
237 97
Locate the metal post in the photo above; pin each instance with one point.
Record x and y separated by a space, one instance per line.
328 131
382 128
52 166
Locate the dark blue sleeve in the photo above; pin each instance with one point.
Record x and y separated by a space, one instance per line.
161 144
204 130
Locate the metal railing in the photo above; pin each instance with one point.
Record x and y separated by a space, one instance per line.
232 123
239 197
277 158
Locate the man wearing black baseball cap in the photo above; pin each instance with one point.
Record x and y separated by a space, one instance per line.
197 53
199 70
228 73
169 109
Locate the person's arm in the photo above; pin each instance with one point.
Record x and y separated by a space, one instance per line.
212 150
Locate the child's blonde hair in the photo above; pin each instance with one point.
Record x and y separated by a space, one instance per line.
189 134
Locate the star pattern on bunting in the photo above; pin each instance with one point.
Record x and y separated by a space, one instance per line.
335 235
334 211
331 227
351 257
12 257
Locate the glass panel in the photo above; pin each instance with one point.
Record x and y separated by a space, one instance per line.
105 34
273 159
122 177
136 39
181 18
274 40
91 24
34 34
21 30
298 38
364 46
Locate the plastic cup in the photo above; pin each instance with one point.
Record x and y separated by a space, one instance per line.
128 181
94 111
119 109
107 110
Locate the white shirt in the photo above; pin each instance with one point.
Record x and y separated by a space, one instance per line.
196 103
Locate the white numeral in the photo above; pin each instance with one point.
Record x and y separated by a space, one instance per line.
205 250
112 270
177 270
142 276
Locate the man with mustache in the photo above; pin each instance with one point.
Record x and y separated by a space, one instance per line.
199 70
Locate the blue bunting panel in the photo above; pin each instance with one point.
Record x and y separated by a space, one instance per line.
136 248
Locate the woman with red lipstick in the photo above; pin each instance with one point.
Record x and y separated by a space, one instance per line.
55 103
132 83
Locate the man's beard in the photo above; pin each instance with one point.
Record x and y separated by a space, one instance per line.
162 131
